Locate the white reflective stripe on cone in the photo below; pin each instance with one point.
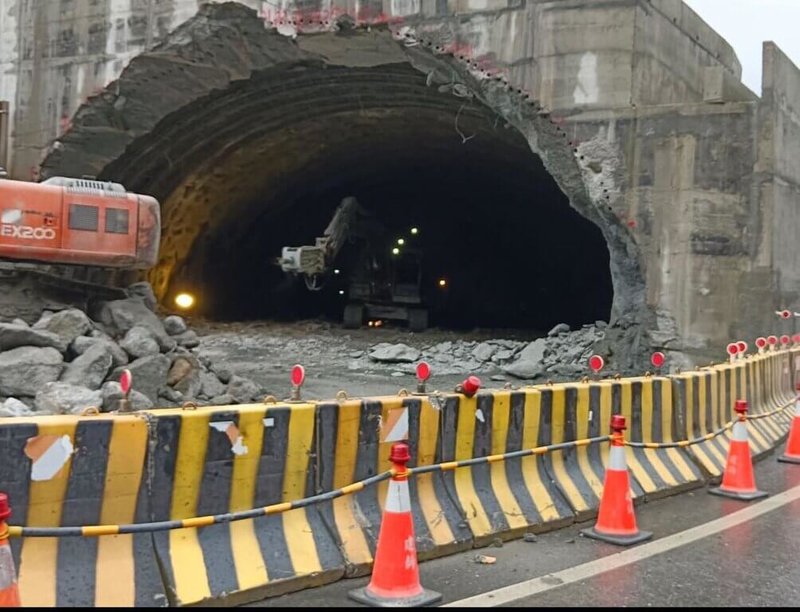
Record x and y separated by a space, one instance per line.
740 431
398 500
616 459
797 407
7 573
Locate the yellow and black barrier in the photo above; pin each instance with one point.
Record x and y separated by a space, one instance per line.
354 438
500 499
214 461
64 470
233 504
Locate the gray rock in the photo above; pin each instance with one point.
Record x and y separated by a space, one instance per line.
397 374
144 291
149 374
222 371
184 376
112 394
82 343
600 324
90 368
187 339
25 370
503 356
13 336
558 329
484 351
243 390
526 370
393 353
69 324
12 407
174 325
171 395
122 315
498 377
21 322
534 352
222 400
139 341
210 385
64 398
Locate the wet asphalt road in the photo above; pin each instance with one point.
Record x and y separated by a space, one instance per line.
756 563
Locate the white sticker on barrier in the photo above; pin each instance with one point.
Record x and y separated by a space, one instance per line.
229 429
49 454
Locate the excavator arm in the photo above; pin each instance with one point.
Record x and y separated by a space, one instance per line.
349 221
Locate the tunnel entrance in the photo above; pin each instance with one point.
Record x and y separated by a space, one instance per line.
250 141
500 245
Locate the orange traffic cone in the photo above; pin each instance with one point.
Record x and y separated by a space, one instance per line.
395 573
616 522
738 481
792 452
9 592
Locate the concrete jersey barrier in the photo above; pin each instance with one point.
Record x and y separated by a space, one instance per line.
178 464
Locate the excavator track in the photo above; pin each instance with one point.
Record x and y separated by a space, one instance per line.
82 280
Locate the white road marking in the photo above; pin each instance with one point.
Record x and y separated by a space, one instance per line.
514 592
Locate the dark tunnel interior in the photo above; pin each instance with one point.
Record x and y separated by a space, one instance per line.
495 228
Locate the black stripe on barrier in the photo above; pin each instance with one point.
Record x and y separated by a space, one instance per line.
413 406
214 497
481 473
269 490
163 460
82 504
369 432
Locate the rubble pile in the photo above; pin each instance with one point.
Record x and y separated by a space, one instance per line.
68 361
563 354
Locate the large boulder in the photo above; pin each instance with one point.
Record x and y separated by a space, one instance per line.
174 325
527 370
112 394
149 374
119 316
187 339
69 324
13 336
26 369
82 343
243 390
65 398
184 375
139 341
144 291
484 351
90 368
210 385
534 352
393 353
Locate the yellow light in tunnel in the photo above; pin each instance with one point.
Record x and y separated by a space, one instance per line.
184 300
442 282
341 291
400 241
414 230
395 251
336 271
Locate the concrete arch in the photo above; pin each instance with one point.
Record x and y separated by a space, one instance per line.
225 83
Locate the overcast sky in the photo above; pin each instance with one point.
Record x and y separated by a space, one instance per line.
746 24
